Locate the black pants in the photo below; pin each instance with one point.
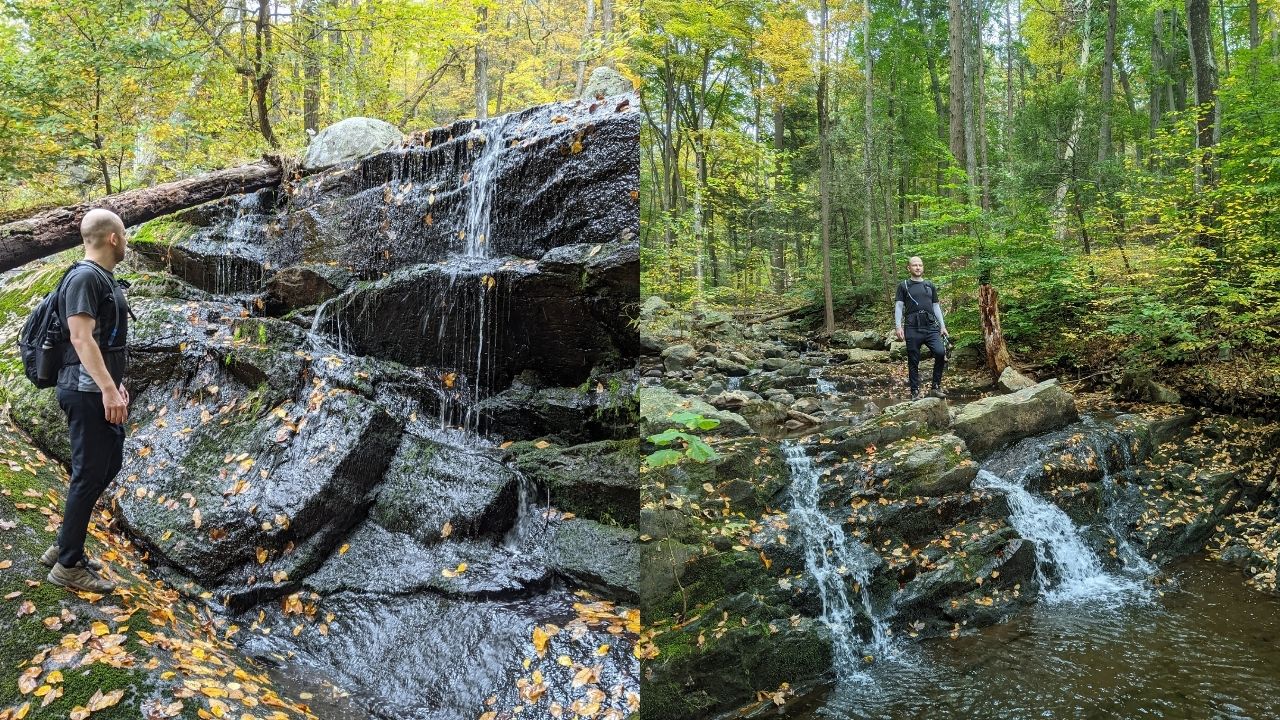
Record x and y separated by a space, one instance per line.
932 339
97 451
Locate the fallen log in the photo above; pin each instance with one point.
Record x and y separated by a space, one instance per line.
53 230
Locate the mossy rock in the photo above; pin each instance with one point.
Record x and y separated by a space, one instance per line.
596 480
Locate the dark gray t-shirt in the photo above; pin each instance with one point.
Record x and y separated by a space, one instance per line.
86 291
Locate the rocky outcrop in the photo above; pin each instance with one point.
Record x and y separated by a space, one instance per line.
991 422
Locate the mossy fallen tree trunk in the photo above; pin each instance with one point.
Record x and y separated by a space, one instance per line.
54 230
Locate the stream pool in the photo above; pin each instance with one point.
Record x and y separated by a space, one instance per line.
1204 647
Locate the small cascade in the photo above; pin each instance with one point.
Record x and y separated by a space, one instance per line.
838 566
531 519
480 199
825 387
1068 569
734 382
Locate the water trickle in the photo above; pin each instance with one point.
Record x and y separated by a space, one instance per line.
825 387
839 566
531 519
735 382
1068 569
480 199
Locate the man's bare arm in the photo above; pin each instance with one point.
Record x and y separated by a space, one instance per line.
81 327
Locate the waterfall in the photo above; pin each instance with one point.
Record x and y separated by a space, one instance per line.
825 387
839 567
734 382
480 199
1060 550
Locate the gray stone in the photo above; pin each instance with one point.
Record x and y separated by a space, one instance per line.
349 140
897 350
678 357
658 404
1012 381
858 355
991 422
600 557
606 81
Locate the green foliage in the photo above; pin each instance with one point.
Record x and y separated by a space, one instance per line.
694 447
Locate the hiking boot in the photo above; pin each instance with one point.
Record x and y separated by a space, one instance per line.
50 558
79 578
915 394
935 391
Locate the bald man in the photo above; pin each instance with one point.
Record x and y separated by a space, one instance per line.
91 392
918 318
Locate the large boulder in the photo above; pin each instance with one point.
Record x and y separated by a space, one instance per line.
992 422
1012 381
349 140
895 423
658 404
601 557
606 81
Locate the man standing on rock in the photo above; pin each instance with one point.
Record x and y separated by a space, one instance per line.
91 392
917 304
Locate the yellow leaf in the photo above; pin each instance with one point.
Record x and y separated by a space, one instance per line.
195 518
100 628
262 556
446 530
540 638
345 547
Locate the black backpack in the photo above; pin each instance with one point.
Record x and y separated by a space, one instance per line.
44 339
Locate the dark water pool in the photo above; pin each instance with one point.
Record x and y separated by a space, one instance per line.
1204 647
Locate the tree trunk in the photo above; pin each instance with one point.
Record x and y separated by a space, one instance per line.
1255 37
824 172
955 99
1108 84
867 154
1073 136
482 65
581 63
1204 75
606 29
779 239
58 229
310 67
993 339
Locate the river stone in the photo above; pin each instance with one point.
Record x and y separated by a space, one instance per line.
863 340
774 363
897 422
606 81
897 350
858 355
991 422
728 367
731 399
302 285
678 357
349 140
658 404
599 481
429 485
937 466
1012 381
600 557
319 484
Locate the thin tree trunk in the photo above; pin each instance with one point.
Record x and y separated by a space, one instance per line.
824 172
1255 37
956 46
482 65
310 67
606 29
1077 120
1204 74
1108 84
867 149
779 239
581 63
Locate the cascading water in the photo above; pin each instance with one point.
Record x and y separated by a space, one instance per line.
734 382
480 200
1068 569
825 387
838 566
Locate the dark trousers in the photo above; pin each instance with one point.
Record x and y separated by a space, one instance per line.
931 339
97 451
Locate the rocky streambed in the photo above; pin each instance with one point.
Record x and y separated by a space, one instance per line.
843 530
383 419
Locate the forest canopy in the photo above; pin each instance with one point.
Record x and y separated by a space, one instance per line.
98 96
1111 167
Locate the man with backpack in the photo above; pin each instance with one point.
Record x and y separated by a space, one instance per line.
91 392
917 306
